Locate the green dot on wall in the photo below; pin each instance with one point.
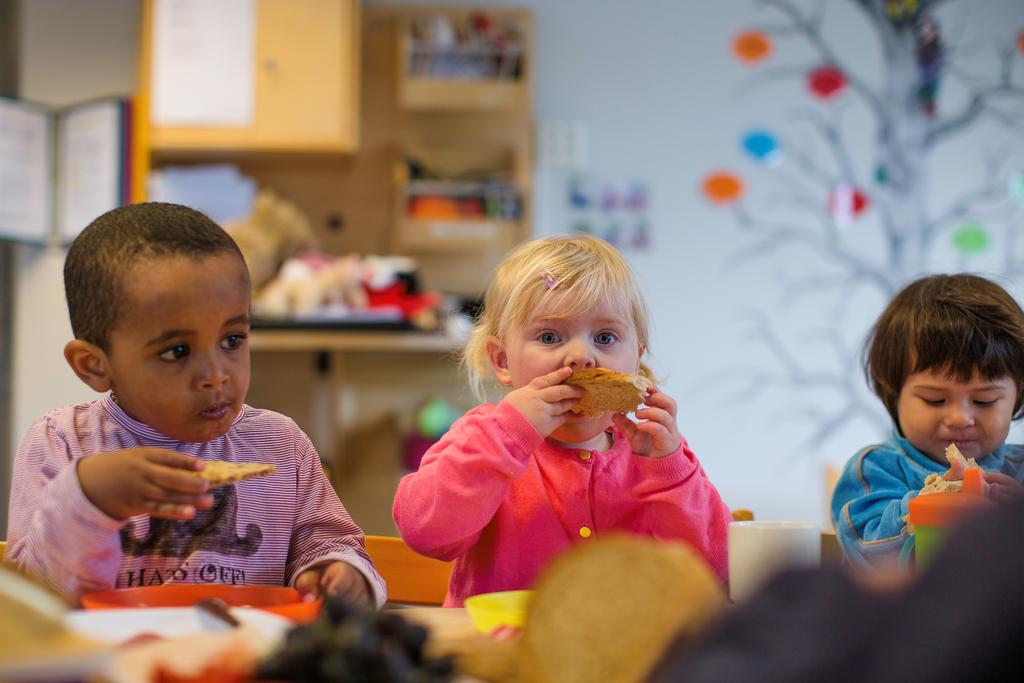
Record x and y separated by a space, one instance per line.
971 238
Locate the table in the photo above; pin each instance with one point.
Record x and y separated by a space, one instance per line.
450 627
479 658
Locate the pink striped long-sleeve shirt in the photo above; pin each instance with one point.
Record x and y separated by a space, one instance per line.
502 501
260 531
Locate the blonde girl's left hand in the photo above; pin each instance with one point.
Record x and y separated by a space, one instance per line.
337 578
656 435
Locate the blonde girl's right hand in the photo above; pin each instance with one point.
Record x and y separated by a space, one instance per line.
144 481
545 401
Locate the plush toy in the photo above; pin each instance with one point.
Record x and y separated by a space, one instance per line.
274 231
311 281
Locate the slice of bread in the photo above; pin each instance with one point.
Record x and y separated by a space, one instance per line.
221 473
937 483
607 609
32 630
608 391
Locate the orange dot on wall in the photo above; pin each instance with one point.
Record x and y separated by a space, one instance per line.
722 187
752 46
1020 42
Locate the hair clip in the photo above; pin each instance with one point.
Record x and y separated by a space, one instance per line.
549 279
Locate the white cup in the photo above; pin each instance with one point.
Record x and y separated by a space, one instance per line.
760 549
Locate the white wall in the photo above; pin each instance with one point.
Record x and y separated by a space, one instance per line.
71 51
661 99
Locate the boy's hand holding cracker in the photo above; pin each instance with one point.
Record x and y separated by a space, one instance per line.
337 578
144 481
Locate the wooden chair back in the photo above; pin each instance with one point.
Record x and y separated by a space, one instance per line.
412 578
742 515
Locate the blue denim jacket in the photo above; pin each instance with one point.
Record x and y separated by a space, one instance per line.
871 497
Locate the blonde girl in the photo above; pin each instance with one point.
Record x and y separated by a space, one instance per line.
513 484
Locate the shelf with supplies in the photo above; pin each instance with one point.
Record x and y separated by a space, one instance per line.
475 203
463 60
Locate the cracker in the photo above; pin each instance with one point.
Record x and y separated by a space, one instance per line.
608 391
221 473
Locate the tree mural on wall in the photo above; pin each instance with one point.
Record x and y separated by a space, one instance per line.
828 193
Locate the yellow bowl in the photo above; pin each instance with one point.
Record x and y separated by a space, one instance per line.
488 611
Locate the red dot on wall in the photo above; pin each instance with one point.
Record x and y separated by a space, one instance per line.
826 82
846 202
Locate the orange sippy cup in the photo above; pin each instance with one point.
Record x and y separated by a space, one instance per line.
933 515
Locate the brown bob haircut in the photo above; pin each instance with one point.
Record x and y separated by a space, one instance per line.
959 324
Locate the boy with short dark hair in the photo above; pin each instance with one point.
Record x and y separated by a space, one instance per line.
106 494
946 357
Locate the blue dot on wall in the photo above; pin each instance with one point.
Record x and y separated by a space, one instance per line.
763 147
1015 184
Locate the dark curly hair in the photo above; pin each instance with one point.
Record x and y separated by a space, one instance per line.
114 242
959 324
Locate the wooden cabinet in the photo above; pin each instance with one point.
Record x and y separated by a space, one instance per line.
306 83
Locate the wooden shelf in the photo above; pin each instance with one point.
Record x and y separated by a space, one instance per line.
331 340
451 235
197 142
438 94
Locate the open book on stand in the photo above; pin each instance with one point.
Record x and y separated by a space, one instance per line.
61 168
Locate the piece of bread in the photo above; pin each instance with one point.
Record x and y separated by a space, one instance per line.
607 609
608 391
221 473
953 454
937 483
32 628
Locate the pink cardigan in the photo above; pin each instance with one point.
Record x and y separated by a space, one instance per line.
502 501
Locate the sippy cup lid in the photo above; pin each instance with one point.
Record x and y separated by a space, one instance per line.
947 509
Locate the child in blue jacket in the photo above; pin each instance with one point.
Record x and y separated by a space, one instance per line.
946 357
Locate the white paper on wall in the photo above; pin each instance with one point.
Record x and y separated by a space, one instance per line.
202 66
90 165
25 169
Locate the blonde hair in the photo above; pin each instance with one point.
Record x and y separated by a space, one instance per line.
591 269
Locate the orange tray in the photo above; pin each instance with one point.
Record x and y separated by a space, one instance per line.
277 599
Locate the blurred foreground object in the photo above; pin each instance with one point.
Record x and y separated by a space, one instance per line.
34 642
605 611
959 620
